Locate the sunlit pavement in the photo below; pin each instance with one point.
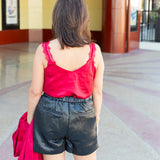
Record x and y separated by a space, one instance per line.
130 118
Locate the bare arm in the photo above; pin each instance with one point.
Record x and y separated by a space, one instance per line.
36 87
98 82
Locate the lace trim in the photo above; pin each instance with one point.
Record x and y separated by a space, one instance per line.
90 52
49 52
93 54
45 51
49 58
93 51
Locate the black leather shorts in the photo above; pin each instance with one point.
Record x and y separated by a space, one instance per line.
66 123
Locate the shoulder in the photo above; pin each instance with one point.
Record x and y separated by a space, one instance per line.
40 57
98 55
98 52
40 52
98 49
41 49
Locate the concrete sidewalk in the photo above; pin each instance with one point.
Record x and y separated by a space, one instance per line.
130 118
153 46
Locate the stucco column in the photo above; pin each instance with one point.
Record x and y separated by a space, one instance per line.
35 20
114 31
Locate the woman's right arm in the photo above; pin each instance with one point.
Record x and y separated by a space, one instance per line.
98 82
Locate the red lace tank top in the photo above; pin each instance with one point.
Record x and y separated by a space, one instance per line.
59 82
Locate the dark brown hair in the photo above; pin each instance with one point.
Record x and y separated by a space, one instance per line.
70 23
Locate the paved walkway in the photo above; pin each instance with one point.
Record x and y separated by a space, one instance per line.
154 46
130 117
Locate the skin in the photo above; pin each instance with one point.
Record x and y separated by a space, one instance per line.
70 59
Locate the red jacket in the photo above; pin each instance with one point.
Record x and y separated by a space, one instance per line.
23 141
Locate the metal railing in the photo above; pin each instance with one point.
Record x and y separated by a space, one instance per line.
149 25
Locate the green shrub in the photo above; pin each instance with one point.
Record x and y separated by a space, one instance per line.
154 15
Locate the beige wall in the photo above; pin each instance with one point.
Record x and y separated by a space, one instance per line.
47 13
95 11
24 14
35 14
0 15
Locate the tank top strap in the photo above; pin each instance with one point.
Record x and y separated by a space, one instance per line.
92 51
46 51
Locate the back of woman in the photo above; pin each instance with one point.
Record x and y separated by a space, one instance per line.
69 70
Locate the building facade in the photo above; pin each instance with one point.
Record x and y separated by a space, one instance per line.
110 23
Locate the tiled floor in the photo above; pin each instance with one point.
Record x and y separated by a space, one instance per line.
130 117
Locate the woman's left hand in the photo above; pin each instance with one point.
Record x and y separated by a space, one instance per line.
29 120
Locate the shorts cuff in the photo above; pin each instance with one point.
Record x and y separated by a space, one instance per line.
55 151
85 152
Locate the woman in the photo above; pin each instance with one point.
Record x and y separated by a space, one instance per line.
69 69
